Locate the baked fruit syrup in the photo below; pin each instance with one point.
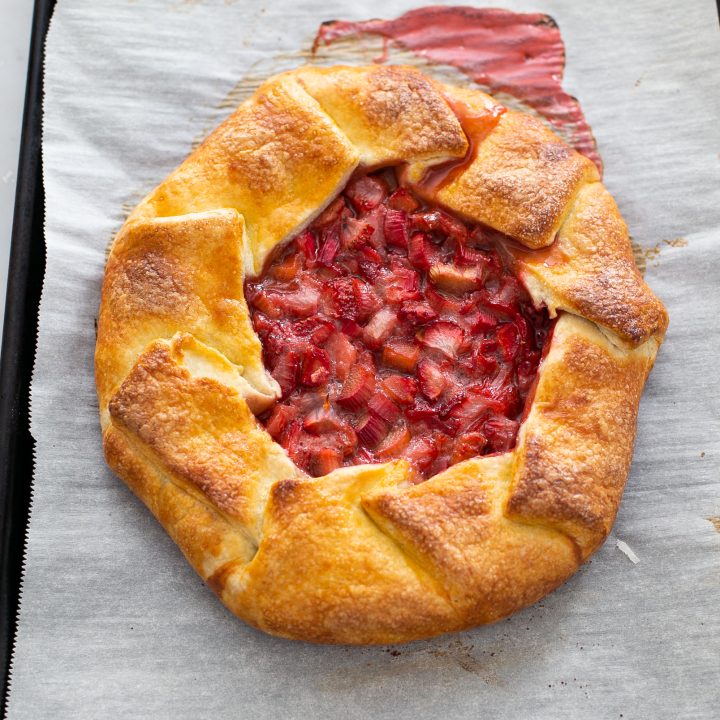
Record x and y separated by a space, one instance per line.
394 330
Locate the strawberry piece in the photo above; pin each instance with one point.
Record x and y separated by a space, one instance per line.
440 222
454 279
509 341
316 329
417 313
355 233
279 419
305 244
395 228
445 336
353 299
431 379
402 199
420 410
379 328
501 433
358 388
384 408
286 371
401 389
468 445
326 460
402 284
265 303
401 354
365 193
395 442
351 329
479 321
342 353
422 453
371 430
315 367
331 213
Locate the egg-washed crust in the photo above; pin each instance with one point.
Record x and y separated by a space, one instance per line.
364 555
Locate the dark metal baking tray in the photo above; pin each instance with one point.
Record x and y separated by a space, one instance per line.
25 276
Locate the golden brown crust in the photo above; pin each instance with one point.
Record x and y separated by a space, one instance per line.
389 113
521 182
574 450
201 428
173 274
590 271
278 159
362 555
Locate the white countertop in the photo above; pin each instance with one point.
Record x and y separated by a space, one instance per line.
15 24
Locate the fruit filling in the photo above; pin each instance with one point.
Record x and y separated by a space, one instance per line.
394 331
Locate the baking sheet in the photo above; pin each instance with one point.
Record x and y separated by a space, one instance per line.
114 623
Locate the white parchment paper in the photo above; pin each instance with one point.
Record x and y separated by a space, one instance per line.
115 624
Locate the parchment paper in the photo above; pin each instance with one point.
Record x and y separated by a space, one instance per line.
115 624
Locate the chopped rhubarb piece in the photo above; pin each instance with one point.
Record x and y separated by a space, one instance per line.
395 228
395 442
322 420
509 340
358 388
468 445
402 199
365 193
342 353
327 460
315 367
384 408
286 371
371 430
379 328
330 247
355 233
401 389
431 379
288 268
445 336
279 419
401 354
454 279
417 313
465 255
302 302
421 252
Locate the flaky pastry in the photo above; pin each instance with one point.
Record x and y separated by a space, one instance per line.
366 552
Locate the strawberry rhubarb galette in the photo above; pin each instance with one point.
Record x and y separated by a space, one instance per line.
373 356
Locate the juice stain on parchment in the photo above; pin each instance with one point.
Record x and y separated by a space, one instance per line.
355 50
649 257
